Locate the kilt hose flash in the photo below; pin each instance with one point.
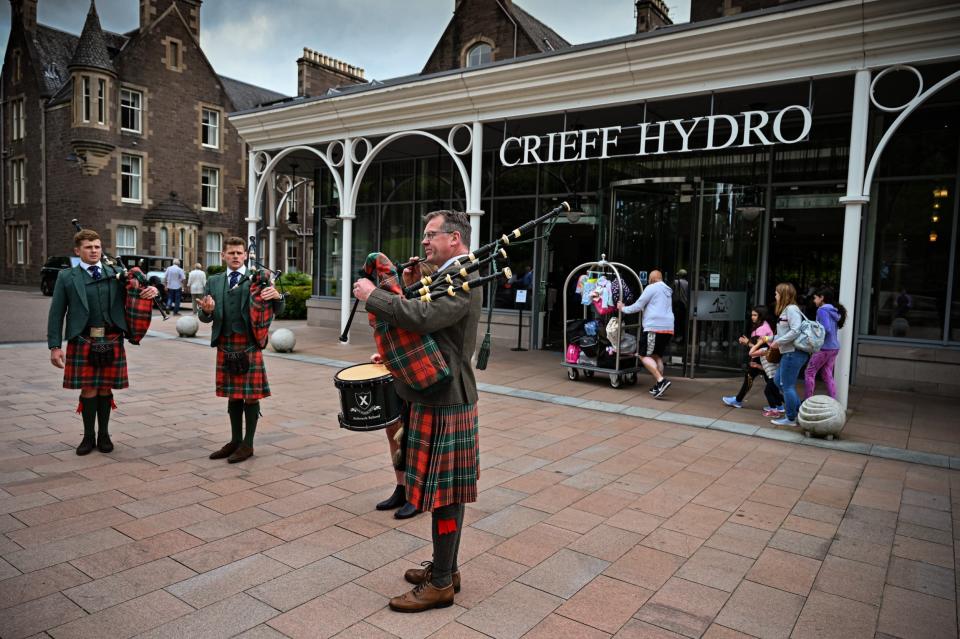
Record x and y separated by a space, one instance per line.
442 458
250 385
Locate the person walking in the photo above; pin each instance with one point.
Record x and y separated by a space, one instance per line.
173 279
657 306
832 316
761 332
197 281
789 319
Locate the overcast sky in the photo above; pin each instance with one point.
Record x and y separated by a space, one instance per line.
259 41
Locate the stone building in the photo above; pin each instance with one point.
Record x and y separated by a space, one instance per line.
126 132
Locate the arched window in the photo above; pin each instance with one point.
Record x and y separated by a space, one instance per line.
479 54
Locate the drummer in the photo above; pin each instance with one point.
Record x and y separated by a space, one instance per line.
441 475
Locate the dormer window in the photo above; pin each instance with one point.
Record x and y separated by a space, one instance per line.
479 54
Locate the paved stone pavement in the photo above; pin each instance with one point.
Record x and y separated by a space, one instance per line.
589 524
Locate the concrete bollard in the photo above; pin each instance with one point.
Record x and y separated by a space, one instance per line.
188 325
283 340
822 416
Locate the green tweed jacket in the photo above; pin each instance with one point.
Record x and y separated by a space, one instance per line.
217 288
70 301
452 321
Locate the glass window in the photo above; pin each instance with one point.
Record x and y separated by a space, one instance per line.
131 107
164 242
210 189
908 238
126 240
397 180
85 98
210 125
479 54
21 244
508 215
290 251
18 193
131 177
173 54
181 245
396 232
214 242
101 101
17 119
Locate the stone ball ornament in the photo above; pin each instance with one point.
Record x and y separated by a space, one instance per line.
187 326
283 340
821 416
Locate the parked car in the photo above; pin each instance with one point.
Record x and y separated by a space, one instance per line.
52 268
152 266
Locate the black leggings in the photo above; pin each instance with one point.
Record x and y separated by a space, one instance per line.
748 376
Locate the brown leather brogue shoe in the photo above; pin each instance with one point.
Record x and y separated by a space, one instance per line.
422 575
227 450
424 596
242 453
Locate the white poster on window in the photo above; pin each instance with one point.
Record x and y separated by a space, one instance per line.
521 296
721 306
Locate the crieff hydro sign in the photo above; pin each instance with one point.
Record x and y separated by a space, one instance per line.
789 125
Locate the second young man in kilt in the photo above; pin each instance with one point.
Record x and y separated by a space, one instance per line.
442 457
241 303
101 305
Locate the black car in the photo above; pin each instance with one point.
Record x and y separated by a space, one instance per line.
52 268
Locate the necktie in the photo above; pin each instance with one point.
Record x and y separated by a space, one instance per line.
95 271
234 278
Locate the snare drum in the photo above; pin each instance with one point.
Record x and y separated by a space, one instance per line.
367 397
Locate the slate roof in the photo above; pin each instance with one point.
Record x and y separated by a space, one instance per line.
55 50
91 50
172 209
543 36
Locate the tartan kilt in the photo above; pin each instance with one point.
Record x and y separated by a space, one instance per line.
78 373
443 455
251 385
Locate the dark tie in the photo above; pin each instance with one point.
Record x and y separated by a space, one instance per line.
95 271
234 278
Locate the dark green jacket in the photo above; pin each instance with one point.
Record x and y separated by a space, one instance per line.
217 288
70 300
452 321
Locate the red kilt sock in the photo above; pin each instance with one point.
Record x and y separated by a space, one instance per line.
88 409
445 535
235 410
104 406
251 413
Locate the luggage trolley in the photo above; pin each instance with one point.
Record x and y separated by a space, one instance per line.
625 366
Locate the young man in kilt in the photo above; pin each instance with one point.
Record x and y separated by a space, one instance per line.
241 303
442 458
101 305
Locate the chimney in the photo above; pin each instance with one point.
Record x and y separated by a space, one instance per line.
316 73
150 10
26 12
651 14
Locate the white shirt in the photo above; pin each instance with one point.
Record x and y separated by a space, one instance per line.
197 281
86 267
242 271
451 261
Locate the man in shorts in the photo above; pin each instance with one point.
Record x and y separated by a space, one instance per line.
656 303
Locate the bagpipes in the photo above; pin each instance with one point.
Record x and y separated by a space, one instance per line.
123 273
431 287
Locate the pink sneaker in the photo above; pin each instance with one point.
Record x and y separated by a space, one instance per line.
771 412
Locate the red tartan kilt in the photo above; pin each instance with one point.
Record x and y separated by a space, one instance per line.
442 460
77 373
251 385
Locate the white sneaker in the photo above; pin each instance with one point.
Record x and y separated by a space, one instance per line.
783 421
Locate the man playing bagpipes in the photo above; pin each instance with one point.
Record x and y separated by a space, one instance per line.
442 456
241 303
103 304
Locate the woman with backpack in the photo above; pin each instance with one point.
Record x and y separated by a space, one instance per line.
760 331
792 360
831 315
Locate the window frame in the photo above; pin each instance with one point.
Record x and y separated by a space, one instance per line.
214 129
17 119
139 178
477 46
291 254
101 101
207 252
18 181
174 54
20 244
164 241
205 186
126 249
85 98
137 110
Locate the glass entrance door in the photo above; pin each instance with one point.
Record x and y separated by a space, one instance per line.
705 239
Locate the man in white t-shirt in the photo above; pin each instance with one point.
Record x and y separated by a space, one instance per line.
173 279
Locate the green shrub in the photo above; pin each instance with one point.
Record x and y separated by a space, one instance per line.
296 303
213 270
296 279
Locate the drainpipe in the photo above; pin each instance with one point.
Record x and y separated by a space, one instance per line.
854 201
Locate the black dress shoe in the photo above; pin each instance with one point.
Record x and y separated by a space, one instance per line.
104 445
242 453
397 499
406 511
86 446
227 450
